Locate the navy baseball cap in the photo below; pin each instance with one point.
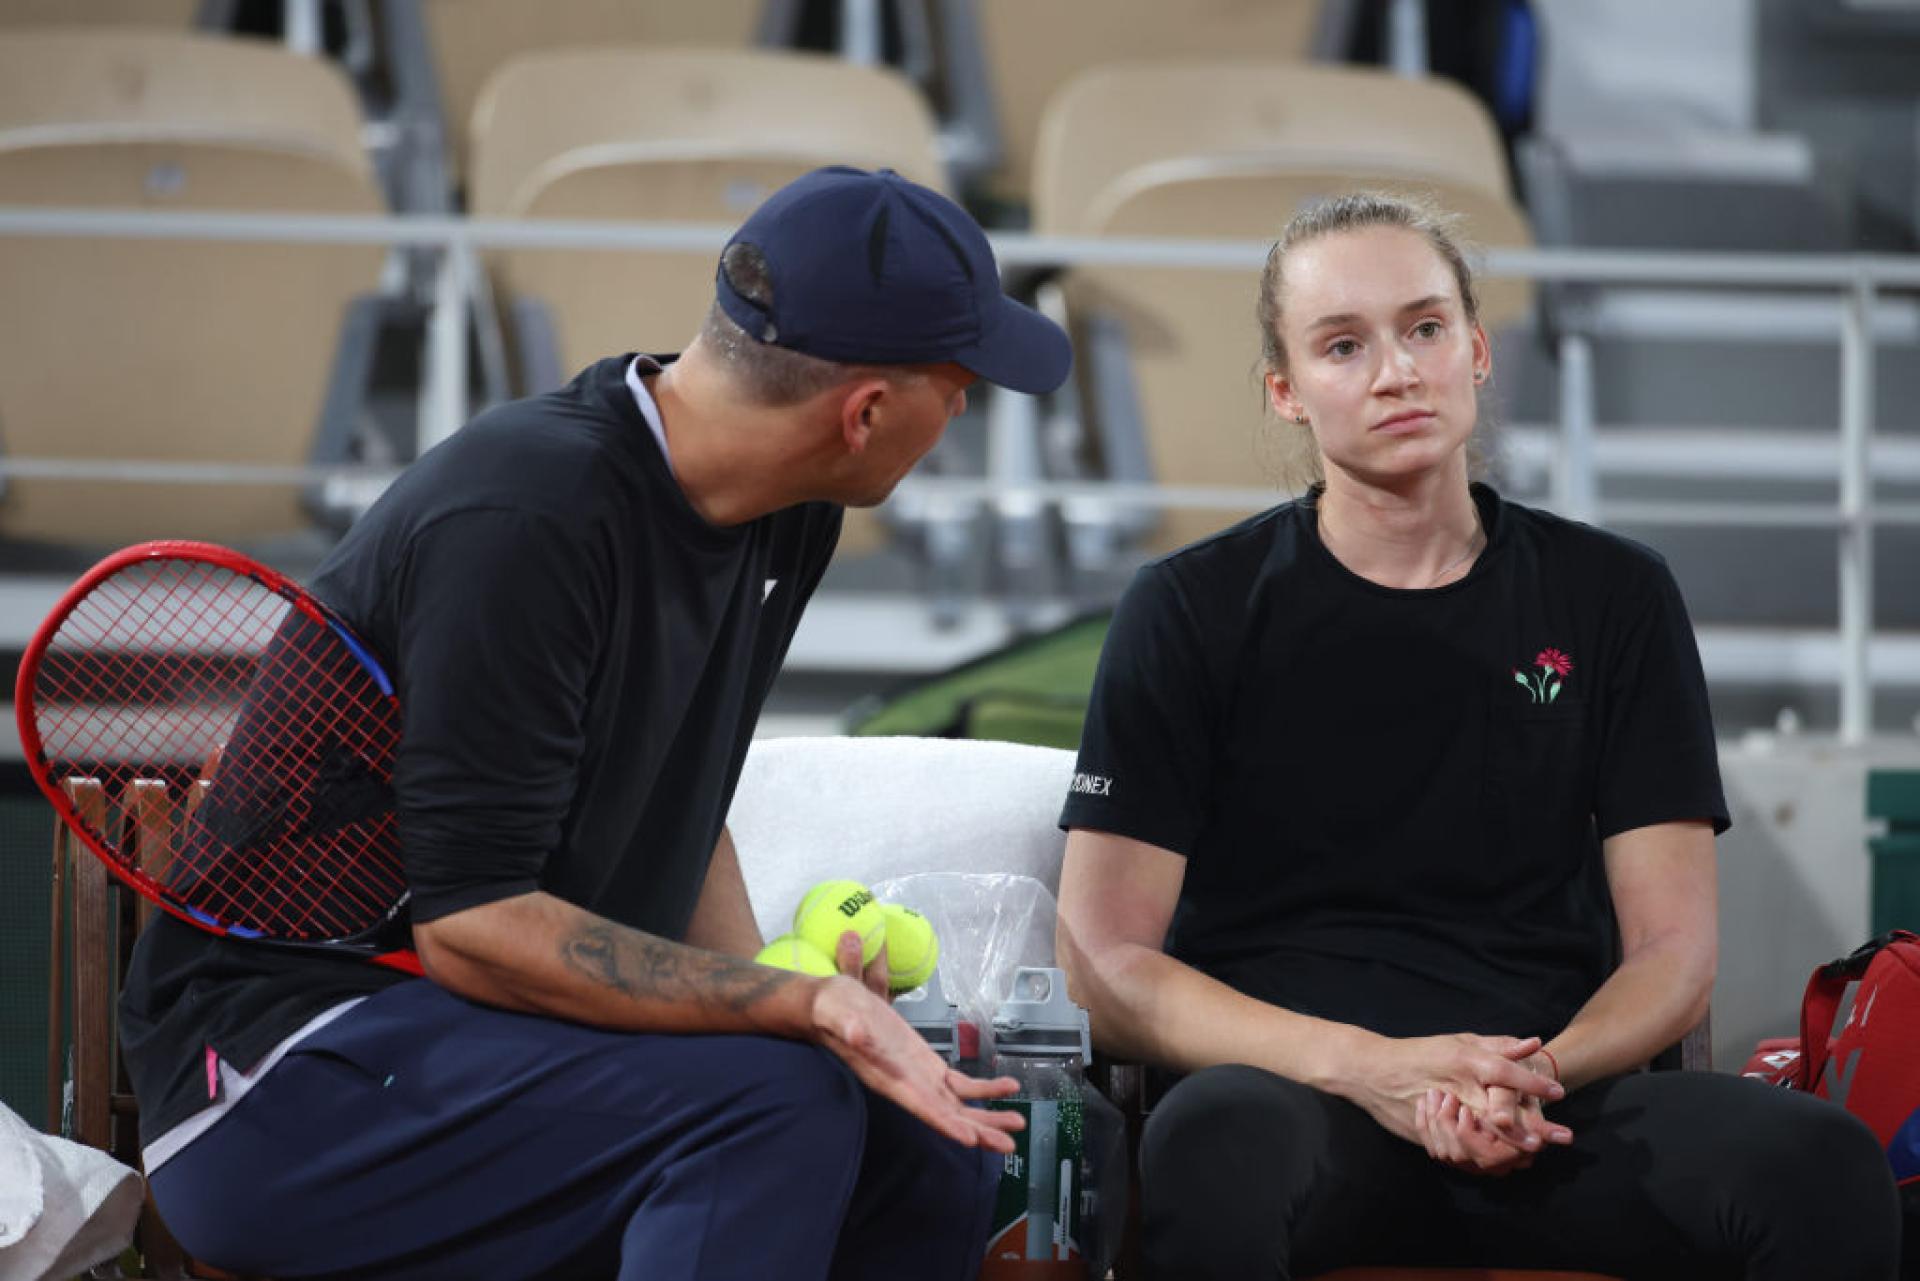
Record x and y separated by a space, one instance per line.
871 269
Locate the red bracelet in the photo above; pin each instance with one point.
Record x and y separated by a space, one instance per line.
1556 1062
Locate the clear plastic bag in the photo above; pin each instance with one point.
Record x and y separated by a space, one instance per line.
989 925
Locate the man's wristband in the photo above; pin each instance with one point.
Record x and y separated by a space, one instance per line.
1550 1059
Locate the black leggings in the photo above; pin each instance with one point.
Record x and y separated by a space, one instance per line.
1250 1177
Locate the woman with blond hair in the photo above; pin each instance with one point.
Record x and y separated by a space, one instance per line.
1401 852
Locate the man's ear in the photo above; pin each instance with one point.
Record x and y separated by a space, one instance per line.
860 409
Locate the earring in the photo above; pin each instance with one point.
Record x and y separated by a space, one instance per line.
1301 419
1479 375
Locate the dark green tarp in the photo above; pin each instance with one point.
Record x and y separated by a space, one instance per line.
1031 691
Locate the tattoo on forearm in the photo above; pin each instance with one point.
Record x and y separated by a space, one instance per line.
594 953
646 968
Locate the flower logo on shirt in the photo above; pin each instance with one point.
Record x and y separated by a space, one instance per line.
1545 687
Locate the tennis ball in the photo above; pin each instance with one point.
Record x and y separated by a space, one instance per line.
912 947
833 907
796 954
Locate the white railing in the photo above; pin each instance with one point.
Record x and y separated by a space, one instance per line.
1857 282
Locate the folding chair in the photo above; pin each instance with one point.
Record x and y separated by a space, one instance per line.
1015 54
472 39
1222 149
640 134
177 353
176 15
88 1096
679 136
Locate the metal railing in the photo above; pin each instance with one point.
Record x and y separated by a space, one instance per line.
1857 281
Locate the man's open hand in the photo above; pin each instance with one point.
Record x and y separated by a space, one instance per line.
893 1060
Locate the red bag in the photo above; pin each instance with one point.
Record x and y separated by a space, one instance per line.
1871 1066
1776 1061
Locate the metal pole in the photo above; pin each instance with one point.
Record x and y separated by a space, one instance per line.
1014 464
1577 496
443 402
1856 513
860 41
300 27
1407 38
1831 272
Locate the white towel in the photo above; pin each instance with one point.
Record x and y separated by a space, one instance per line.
873 809
63 1207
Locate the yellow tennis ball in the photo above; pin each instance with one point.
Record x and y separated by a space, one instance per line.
833 907
912 947
796 954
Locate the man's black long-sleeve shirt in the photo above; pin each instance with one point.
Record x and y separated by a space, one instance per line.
580 659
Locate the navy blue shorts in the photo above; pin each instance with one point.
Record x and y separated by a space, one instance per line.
424 1136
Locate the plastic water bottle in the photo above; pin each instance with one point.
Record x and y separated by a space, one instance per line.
1046 1221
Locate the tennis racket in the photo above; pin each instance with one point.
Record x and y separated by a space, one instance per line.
167 656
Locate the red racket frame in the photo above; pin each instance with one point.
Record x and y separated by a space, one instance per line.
31 741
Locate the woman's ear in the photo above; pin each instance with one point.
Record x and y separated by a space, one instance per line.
1280 396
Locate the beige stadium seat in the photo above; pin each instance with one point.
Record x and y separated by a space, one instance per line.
175 351
1231 150
472 39
1032 49
175 14
699 136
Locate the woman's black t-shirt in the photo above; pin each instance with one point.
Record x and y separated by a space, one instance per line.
1391 802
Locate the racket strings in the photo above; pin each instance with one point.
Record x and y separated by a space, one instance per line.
314 883
310 704
166 662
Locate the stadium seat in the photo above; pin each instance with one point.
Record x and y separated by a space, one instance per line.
176 351
176 15
471 39
1030 50
1168 356
688 136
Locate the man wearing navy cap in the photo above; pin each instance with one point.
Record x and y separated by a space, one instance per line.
585 597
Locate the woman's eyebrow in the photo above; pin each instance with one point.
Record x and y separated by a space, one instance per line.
1339 318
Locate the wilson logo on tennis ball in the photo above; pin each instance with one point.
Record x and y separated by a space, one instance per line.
833 907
